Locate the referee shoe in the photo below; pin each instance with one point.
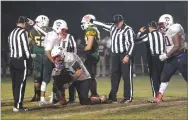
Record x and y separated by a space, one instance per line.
19 109
125 101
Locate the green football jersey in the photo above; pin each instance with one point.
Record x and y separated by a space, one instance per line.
92 31
37 40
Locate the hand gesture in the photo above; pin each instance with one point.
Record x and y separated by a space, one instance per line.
142 29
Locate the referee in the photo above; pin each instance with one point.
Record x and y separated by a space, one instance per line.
122 44
155 42
19 59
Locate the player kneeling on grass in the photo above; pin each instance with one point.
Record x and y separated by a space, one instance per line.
71 70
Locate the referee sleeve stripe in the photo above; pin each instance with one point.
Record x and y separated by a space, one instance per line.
156 40
74 44
14 43
25 43
11 42
131 41
161 43
19 44
113 40
70 45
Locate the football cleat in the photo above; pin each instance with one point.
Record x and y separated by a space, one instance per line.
71 102
112 102
43 103
19 109
158 99
103 99
35 98
125 101
63 101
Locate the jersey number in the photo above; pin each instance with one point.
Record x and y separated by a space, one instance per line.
39 40
167 41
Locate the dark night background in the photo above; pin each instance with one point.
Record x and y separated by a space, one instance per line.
136 14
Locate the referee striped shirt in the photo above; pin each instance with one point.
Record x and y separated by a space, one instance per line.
155 40
122 39
69 44
18 43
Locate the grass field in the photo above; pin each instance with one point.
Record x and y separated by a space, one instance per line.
174 106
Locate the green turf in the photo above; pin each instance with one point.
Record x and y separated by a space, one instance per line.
174 106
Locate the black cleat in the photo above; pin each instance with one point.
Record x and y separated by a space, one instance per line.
112 102
35 98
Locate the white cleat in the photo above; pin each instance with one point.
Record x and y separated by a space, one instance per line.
43 103
19 110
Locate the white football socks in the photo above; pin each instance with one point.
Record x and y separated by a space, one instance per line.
163 87
42 99
51 98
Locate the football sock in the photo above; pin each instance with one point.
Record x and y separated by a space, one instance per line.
42 99
163 87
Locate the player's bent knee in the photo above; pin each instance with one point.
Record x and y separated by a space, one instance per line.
43 86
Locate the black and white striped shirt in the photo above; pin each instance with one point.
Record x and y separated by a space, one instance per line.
69 44
18 43
122 40
155 40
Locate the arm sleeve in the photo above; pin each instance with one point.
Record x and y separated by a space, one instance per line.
141 38
25 39
102 24
48 42
130 39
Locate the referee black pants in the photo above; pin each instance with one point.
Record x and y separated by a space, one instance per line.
155 69
121 69
18 70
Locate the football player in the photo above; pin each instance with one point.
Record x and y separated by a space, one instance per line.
52 39
37 45
70 67
176 54
92 37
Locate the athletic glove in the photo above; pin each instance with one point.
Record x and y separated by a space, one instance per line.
33 55
163 57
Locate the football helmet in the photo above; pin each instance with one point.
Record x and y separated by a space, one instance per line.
165 21
59 25
87 21
42 21
56 51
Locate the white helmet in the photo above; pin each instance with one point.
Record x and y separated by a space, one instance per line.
42 21
165 21
57 50
87 21
59 25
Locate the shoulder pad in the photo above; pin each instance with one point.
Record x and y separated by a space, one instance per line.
174 29
51 35
91 32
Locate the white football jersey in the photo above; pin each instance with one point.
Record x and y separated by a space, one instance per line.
72 61
51 40
173 30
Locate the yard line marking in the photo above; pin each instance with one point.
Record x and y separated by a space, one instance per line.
113 109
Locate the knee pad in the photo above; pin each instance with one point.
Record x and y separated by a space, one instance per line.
43 86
